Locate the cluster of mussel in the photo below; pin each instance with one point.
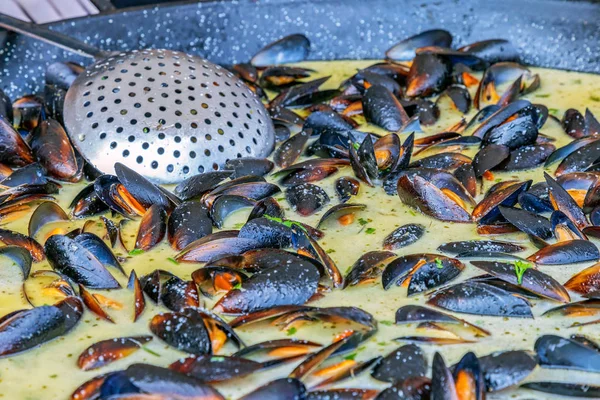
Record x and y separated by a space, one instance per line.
272 266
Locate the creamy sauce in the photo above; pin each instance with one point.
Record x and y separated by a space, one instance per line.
50 372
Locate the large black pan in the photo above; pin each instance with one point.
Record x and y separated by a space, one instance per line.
551 33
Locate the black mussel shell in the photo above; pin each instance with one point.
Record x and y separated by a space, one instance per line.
290 284
469 246
201 183
429 74
73 260
479 298
306 198
288 388
403 236
405 49
405 362
188 222
383 109
505 369
557 352
567 252
289 49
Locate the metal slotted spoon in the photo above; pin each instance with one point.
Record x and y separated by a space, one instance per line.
166 114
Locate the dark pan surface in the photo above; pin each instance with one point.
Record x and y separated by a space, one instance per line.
550 33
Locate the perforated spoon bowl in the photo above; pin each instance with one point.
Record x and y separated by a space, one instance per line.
166 114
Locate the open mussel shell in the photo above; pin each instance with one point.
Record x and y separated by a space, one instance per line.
107 351
344 213
368 267
13 238
20 257
45 213
211 279
423 271
152 229
144 191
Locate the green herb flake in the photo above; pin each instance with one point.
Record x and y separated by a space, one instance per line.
370 231
542 95
291 331
54 376
217 359
350 357
362 221
577 81
438 263
288 223
386 323
329 251
594 98
238 286
411 212
553 111
174 261
356 146
147 350
136 252
520 268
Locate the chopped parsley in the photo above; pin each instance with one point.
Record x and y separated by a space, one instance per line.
291 331
594 98
370 231
350 357
386 323
542 95
438 263
238 286
520 268
174 261
288 223
136 252
147 350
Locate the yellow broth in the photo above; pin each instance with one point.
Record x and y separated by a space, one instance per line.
50 372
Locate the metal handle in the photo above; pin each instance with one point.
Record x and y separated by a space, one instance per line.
58 39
